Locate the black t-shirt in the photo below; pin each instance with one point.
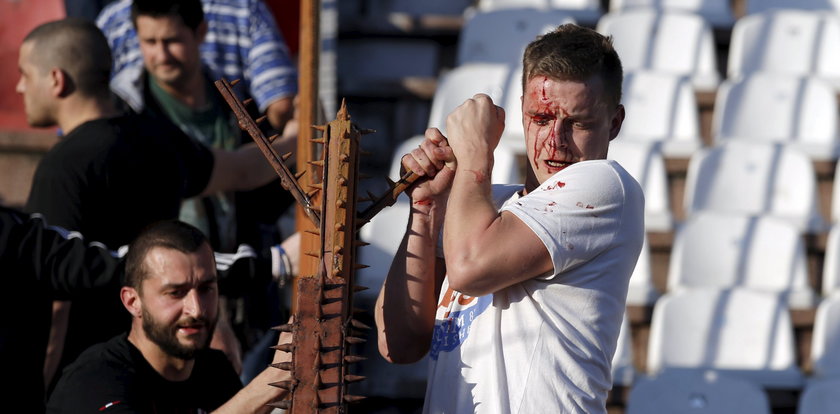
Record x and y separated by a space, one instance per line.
111 177
39 263
113 377
108 179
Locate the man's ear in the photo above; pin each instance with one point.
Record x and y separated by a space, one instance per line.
61 84
617 120
131 300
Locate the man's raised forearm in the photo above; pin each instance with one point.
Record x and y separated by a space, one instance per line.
405 308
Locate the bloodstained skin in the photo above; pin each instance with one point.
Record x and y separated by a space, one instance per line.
480 176
545 111
423 202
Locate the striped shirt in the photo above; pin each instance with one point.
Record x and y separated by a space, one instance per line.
242 42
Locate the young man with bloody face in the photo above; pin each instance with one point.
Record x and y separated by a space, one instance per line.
522 311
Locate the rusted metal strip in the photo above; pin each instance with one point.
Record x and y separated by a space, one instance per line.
287 179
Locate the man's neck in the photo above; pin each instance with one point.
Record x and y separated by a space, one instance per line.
191 92
74 112
169 367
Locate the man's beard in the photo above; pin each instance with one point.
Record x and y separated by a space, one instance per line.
165 336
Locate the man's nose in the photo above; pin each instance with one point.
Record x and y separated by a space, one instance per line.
562 132
160 50
192 303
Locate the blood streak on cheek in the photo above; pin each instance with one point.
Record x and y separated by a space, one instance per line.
423 202
538 143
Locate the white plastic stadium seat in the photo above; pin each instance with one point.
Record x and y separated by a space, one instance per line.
819 397
696 393
514 132
754 178
732 250
793 42
462 83
661 107
500 36
825 360
797 111
586 12
737 332
717 12
645 163
671 42
831 267
759 6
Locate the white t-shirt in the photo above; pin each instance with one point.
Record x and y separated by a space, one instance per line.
545 345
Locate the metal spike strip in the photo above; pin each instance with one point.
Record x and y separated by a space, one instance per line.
307 346
339 236
324 308
387 199
287 179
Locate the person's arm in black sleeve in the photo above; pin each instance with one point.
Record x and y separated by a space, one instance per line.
245 269
62 263
241 271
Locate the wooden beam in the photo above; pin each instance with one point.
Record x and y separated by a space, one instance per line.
310 48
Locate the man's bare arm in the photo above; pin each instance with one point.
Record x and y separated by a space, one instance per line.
485 250
405 308
257 394
245 168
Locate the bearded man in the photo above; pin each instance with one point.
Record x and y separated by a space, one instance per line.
164 363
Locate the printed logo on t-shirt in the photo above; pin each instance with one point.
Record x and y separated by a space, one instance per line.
453 330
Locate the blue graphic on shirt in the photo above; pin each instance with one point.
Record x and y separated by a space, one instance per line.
452 332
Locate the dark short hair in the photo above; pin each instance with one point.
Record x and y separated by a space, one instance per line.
77 47
572 52
189 11
169 234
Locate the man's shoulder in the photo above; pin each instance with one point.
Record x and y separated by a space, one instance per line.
115 351
599 175
103 363
101 376
86 142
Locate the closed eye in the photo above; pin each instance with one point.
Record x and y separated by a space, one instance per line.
176 293
541 119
